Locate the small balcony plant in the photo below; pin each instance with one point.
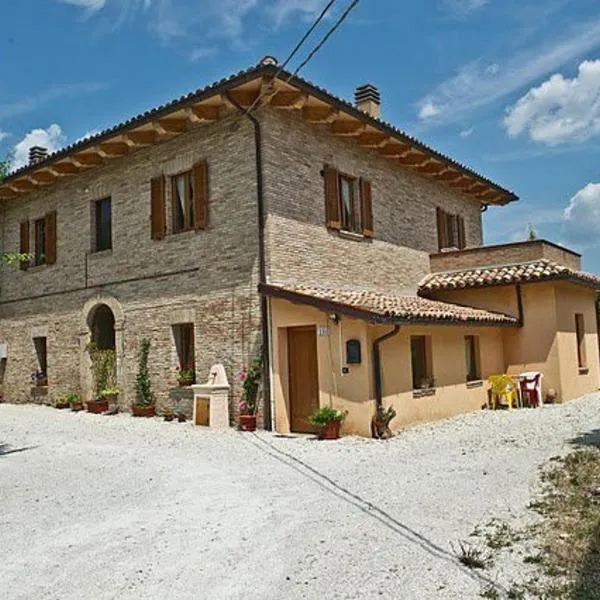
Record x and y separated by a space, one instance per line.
186 375
143 405
250 378
328 421
39 378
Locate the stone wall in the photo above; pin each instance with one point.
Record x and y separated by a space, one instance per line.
207 277
301 249
505 254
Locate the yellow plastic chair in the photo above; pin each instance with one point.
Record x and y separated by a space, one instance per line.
503 388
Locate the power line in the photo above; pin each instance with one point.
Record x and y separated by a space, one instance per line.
297 48
342 18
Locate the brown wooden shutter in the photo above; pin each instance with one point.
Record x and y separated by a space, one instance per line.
442 230
24 245
462 238
158 215
50 249
201 195
366 208
332 197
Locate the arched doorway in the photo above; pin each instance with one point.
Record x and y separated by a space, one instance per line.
102 327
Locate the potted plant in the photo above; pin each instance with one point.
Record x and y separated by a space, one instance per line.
143 406
380 424
62 402
168 413
250 378
103 372
110 393
186 375
75 402
39 378
328 420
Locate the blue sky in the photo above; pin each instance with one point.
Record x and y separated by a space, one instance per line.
509 87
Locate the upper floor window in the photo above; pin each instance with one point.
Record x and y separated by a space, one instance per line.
39 255
103 224
348 202
451 230
183 202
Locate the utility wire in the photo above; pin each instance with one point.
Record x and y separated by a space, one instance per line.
342 18
297 48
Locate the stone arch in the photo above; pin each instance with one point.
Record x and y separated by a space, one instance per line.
101 305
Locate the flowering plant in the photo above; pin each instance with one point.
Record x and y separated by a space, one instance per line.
250 378
39 377
186 374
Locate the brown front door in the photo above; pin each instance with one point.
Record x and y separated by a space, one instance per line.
304 377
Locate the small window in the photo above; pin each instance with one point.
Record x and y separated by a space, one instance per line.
353 353
472 356
184 343
182 190
349 204
451 230
422 373
103 229
40 376
40 242
580 333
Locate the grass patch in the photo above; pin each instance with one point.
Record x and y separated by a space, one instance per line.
471 556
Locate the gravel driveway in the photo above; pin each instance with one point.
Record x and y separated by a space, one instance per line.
96 507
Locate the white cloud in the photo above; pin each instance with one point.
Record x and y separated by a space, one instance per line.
51 139
86 135
482 82
559 110
465 133
463 7
89 5
428 110
282 10
3 135
581 225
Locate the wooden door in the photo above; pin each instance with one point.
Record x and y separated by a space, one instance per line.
304 377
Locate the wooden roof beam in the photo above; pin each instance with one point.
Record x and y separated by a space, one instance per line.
431 167
140 138
245 98
169 126
347 128
288 100
394 150
86 159
205 112
112 149
414 159
372 139
6 193
65 168
24 185
44 177
320 114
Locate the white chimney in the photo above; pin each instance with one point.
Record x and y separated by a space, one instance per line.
37 154
368 100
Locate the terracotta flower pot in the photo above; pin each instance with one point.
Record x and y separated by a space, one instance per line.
169 417
41 382
185 382
77 406
181 418
111 398
97 406
142 411
330 431
62 405
248 422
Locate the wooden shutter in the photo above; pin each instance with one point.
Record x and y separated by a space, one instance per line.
462 239
332 198
50 249
442 230
158 216
24 245
366 208
200 195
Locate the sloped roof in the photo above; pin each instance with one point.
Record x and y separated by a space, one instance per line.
20 181
527 272
387 308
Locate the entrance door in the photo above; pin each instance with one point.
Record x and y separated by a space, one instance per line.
304 377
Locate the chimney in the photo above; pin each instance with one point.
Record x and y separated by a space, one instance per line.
37 154
368 100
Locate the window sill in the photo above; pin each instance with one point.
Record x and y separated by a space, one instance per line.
100 253
351 235
476 383
424 392
36 268
584 370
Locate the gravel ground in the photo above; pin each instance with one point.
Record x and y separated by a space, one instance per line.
95 507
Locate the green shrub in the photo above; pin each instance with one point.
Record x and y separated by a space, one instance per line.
326 414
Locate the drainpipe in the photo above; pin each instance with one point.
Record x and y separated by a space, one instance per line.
521 317
262 269
377 364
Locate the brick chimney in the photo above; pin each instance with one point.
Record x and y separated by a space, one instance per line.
37 154
368 100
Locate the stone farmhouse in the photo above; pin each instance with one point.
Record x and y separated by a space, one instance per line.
262 214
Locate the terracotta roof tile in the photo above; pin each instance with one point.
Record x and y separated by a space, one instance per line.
387 307
535 271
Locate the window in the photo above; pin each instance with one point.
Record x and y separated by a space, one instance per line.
183 202
580 333
472 357
420 350
348 202
184 344
103 227
40 242
40 377
451 230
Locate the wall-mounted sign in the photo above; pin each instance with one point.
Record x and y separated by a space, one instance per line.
323 330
